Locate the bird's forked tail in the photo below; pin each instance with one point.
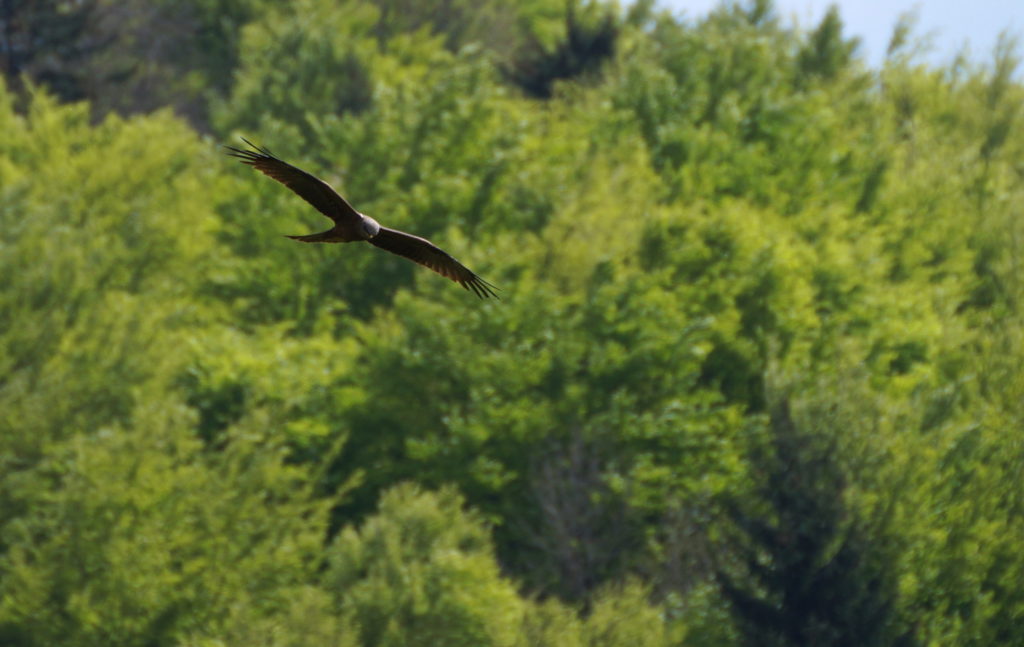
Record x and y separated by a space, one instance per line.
322 237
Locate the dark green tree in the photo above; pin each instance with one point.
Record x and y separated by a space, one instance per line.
40 38
826 53
800 567
591 32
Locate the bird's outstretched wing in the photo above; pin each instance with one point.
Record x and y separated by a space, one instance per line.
430 255
309 187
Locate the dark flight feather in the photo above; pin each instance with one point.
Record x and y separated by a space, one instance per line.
309 187
427 254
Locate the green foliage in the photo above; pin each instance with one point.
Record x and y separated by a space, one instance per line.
623 617
620 615
213 436
327 47
127 56
103 231
491 23
279 382
827 53
591 32
803 568
422 572
40 37
131 537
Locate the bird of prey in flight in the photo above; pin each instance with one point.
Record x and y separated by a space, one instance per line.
350 225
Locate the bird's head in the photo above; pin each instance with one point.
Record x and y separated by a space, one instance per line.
369 226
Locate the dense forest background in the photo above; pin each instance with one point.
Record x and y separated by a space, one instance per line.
755 377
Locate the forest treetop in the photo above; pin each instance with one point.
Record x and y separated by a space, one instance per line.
755 377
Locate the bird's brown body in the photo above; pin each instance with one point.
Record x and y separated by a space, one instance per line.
352 226
349 232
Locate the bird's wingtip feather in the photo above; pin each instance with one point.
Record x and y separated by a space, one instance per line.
262 150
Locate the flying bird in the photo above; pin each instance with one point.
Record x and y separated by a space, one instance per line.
350 225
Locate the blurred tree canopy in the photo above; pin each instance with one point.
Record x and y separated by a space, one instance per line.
754 377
